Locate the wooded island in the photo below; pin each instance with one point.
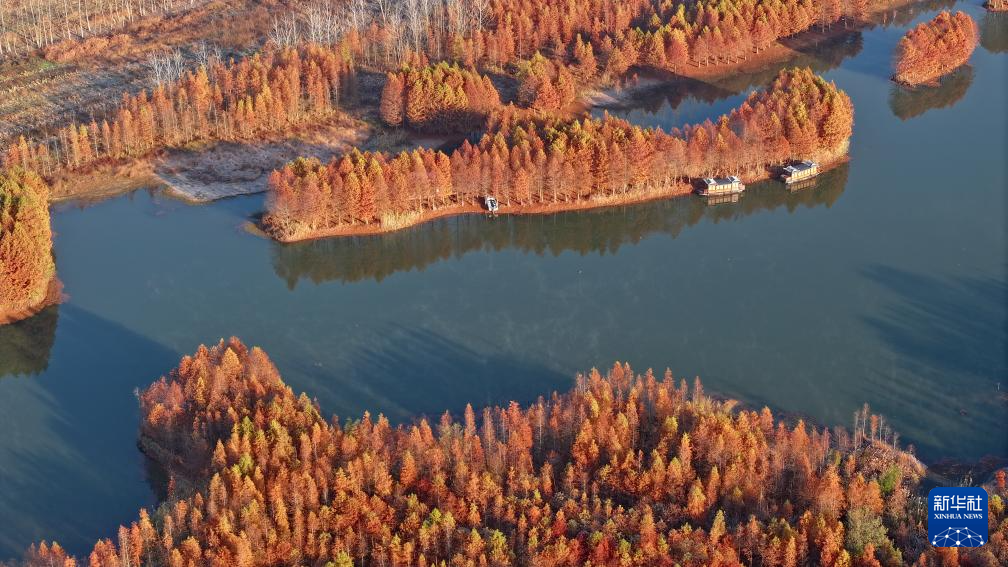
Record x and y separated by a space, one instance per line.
935 48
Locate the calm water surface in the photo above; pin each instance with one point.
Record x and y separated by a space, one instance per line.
886 283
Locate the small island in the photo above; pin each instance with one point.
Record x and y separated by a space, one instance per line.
935 48
27 272
541 162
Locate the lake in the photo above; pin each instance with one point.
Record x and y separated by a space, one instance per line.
886 283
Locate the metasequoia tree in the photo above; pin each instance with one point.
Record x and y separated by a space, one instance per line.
622 470
935 48
530 159
555 47
550 87
269 92
621 34
27 270
996 5
438 98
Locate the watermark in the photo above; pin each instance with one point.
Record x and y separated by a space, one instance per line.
957 517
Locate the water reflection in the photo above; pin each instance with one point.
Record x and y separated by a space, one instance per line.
994 32
674 92
910 102
70 434
410 370
25 345
602 231
906 14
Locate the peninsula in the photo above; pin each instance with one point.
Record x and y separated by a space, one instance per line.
534 162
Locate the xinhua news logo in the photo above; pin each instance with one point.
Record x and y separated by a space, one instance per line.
957 517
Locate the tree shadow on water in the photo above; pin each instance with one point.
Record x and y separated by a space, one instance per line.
69 466
601 231
25 345
409 372
949 337
950 325
994 32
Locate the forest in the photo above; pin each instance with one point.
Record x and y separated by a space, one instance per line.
438 98
595 36
623 469
27 271
264 94
541 162
935 48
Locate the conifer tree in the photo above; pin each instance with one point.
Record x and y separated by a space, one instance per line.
27 271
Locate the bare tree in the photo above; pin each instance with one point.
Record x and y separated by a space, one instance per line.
35 24
165 67
285 31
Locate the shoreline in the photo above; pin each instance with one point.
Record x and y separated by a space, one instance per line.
189 174
208 172
677 190
107 181
929 83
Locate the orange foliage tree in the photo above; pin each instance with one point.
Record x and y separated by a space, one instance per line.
935 48
438 98
270 92
546 86
27 270
623 470
622 33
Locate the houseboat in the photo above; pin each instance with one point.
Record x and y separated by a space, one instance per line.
712 186
799 171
